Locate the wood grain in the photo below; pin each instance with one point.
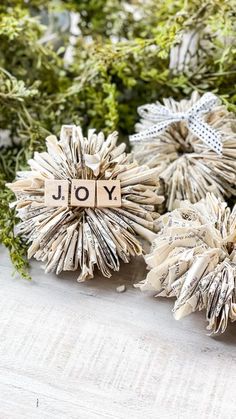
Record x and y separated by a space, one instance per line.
85 190
108 193
55 189
84 351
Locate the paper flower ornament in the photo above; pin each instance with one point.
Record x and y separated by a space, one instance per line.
84 202
193 259
192 143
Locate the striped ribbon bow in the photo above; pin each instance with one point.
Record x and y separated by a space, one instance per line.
163 117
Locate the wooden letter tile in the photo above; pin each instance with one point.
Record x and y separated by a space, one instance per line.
83 193
108 193
56 193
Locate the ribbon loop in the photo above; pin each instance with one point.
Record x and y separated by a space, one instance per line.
163 117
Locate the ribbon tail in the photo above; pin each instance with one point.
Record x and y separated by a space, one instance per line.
207 134
205 104
151 132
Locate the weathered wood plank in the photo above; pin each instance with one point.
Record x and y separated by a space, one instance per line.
70 350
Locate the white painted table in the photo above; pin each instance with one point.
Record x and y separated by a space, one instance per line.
83 351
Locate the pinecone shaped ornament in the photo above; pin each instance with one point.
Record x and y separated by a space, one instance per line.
84 203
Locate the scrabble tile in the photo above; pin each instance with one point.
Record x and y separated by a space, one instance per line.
108 193
56 193
83 193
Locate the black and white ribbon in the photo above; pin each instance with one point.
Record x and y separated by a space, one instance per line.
162 117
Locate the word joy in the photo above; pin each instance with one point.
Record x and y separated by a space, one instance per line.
84 193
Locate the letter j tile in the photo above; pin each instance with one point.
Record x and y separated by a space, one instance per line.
56 193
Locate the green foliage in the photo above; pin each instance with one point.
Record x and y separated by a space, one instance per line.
16 247
121 60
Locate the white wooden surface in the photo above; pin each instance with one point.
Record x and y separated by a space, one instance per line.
83 351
